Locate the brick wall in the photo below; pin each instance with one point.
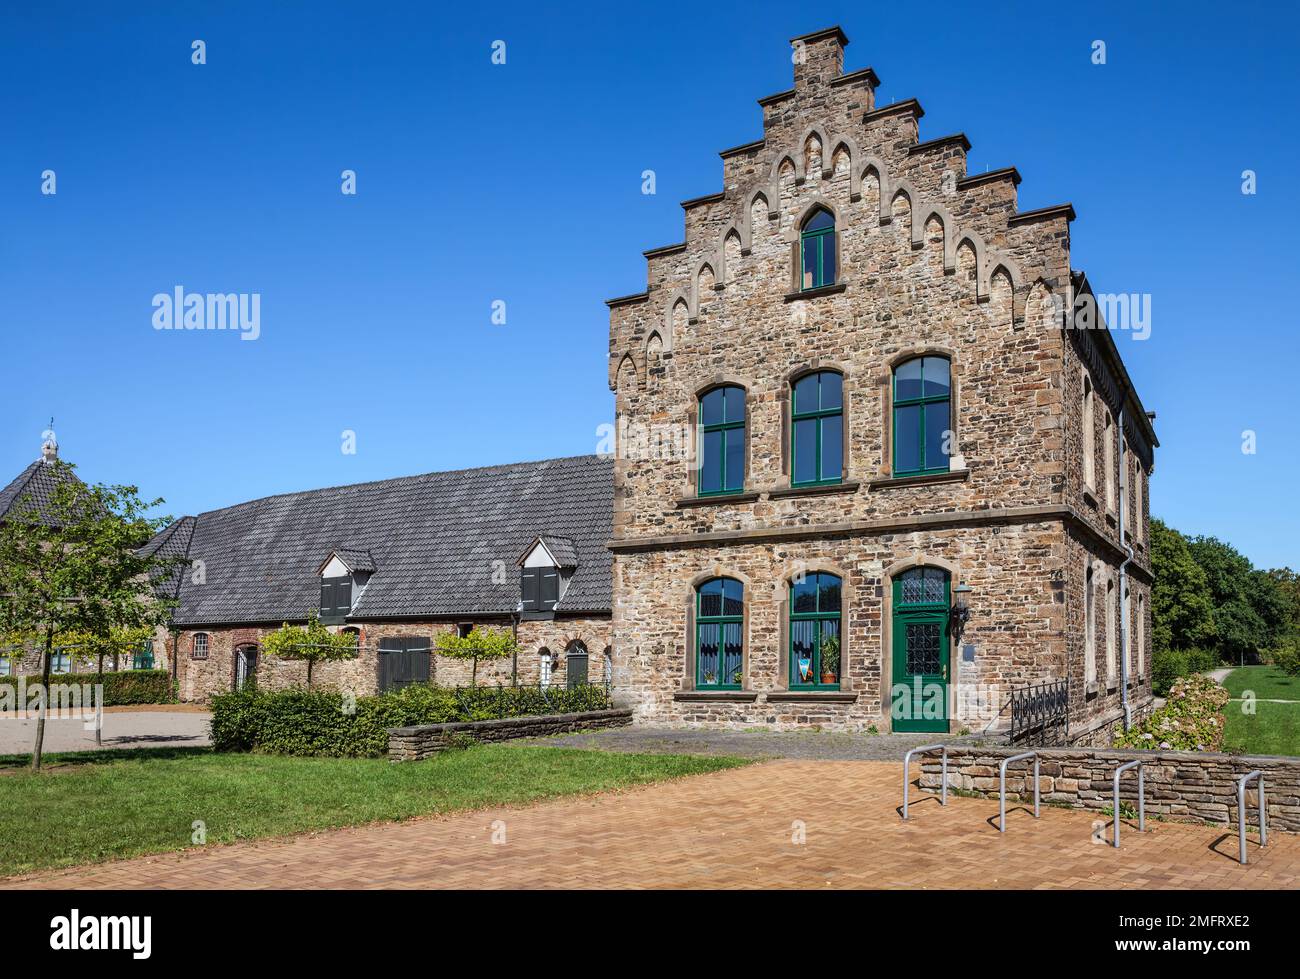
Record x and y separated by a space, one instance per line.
424 741
200 679
1179 784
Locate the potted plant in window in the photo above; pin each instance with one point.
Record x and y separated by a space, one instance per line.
710 677
830 659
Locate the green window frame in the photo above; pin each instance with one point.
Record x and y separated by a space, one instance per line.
817 257
922 414
721 441
143 658
817 429
816 632
719 634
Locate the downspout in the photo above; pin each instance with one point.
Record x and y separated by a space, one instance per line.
1123 576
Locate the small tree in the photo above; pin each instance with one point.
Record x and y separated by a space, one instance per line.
312 643
479 644
71 567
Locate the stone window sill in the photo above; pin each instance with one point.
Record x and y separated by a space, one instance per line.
1093 689
830 290
897 482
1090 496
720 499
848 486
1111 520
811 696
716 696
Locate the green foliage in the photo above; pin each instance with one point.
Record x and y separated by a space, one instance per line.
1170 665
73 566
323 723
479 644
1287 656
1182 610
312 643
1190 720
121 688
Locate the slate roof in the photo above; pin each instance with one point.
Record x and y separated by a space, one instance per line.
359 562
561 548
433 541
33 488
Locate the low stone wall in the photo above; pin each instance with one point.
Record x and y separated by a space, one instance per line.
425 740
1183 785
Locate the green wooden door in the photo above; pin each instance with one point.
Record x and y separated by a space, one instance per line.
922 651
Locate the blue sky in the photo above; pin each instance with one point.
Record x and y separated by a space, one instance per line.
522 183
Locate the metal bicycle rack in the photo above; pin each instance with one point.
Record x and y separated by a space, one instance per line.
1241 814
1142 802
907 763
1002 787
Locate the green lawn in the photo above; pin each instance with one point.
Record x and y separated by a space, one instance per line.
105 805
1274 729
1267 682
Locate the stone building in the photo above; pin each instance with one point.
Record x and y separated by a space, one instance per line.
906 481
518 547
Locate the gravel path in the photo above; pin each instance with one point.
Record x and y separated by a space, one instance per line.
804 745
122 729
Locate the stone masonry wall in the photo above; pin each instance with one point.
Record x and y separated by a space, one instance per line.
424 741
931 260
199 680
1179 784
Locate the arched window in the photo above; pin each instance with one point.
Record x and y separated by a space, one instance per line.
722 441
815 652
817 432
817 248
1089 627
719 634
544 667
922 416
199 646
575 664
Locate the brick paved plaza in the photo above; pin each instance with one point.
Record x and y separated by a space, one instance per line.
731 829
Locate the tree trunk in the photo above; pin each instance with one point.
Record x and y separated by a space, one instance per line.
310 661
99 715
39 746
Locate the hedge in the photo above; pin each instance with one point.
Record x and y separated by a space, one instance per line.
121 687
1170 665
323 723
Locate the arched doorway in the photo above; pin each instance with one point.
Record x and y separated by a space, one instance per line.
922 649
575 664
245 666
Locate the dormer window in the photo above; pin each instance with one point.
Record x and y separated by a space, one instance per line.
544 572
342 577
335 599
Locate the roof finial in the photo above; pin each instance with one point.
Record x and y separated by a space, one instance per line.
49 444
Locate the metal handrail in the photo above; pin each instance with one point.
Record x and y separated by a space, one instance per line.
1142 803
1002 787
1241 814
907 761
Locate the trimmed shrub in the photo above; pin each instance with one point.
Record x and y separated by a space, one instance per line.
1170 665
121 688
1190 720
327 724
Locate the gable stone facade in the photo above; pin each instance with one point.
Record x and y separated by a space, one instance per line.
930 262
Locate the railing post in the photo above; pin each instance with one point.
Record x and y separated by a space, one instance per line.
1142 807
1241 814
907 762
1002 787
